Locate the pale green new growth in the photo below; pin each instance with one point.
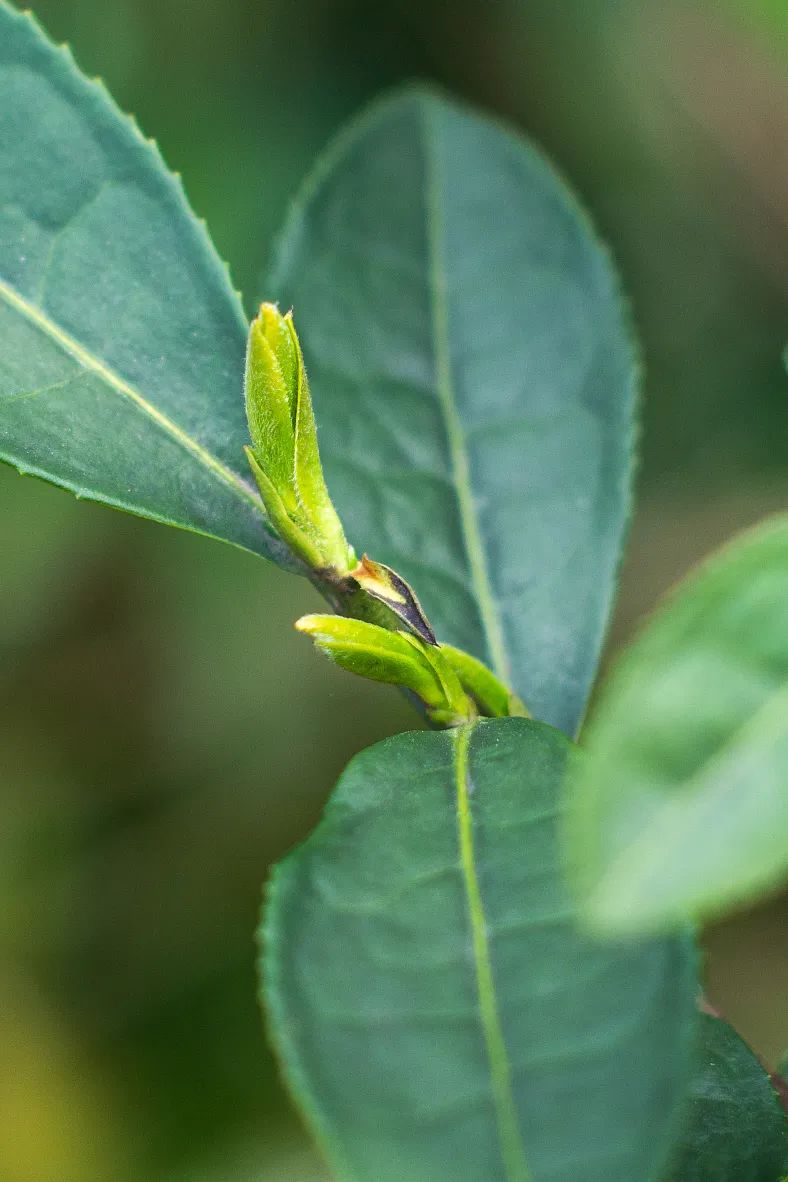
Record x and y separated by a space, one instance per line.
453 686
397 658
492 697
284 456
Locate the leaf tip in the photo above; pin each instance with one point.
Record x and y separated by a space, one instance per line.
309 625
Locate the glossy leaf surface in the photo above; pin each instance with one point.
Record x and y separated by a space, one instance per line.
681 806
121 340
436 1011
735 1128
474 383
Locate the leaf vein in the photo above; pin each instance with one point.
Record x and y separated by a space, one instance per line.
113 380
21 395
438 291
512 1150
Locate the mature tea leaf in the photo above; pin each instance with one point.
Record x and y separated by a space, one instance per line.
681 807
474 383
437 1013
121 340
735 1129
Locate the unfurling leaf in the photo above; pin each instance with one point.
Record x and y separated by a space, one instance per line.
284 456
492 697
397 658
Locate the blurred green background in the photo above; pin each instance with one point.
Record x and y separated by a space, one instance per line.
163 733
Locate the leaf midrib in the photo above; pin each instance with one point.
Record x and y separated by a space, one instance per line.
460 467
512 1150
90 362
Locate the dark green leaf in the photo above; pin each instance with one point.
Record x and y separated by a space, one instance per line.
436 1011
736 1128
681 807
474 383
121 340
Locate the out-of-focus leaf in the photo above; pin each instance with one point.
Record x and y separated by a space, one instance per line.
681 805
121 340
474 382
437 1013
735 1129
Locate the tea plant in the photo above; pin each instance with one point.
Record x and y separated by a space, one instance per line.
442 1005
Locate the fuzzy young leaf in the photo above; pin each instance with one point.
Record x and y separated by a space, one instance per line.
493 698
436 1010
284 456
681 806
271 391
735 1129
396 658
474 383
121 339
